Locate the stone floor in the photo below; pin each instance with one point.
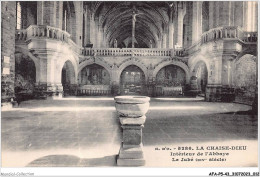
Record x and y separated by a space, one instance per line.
86 132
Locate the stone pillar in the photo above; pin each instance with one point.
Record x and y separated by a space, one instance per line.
226 72
99 36
159 44
8 12
59 14
131 110
86 40
226 13
213 89
48 82
171 28
46 13
171 33
211 14
181 14
115 80
40 12
196 21
79 19
92 31
164 41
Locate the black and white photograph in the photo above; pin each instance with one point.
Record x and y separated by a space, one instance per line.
120 84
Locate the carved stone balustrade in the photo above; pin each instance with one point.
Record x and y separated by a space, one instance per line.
127 52
220 33
47 32
228 32
21 35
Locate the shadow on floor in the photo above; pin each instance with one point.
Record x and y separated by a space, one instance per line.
72 161
249 112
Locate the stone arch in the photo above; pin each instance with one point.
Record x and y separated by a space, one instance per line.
70 71
94 74
133 62
33 58
98 62
201 72
61 64
194 61
172 62
132 81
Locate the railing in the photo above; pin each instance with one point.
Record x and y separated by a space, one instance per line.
193 48
250 37
43 31
21 34
127 52
228 32
47 32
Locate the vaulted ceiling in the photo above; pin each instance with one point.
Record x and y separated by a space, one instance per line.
116 20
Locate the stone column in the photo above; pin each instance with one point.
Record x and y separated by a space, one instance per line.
115 80
99 36
181 14
59 14
213 89
79 19
211 14
171 28
171 33
226 71
40 12
159 44
86 28
92 30
164 41
196 21
131 110
46 13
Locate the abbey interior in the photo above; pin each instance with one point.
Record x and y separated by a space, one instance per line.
63 62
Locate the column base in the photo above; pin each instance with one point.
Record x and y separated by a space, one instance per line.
131 155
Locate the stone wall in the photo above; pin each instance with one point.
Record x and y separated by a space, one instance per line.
245 78
8 13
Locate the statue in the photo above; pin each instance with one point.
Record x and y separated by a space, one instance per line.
151 44
94 79
115 43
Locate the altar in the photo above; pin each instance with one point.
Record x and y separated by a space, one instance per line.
94 90
168 91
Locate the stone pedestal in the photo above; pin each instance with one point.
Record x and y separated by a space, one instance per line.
131 110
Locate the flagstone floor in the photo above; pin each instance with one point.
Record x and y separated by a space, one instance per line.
85 131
